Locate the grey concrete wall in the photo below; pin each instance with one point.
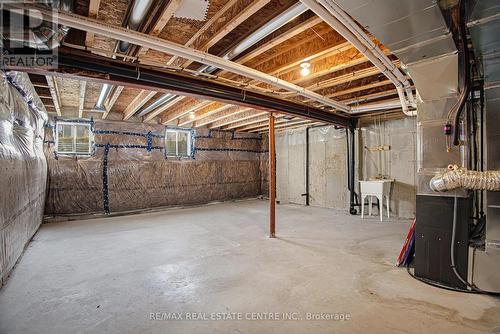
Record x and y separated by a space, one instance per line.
328 165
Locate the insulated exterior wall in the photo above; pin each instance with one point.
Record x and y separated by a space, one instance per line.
225 166
23 168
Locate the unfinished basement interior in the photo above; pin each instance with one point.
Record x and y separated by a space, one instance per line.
250 166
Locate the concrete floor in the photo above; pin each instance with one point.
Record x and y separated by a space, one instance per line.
109 275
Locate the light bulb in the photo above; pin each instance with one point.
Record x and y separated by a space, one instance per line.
305 69
192 115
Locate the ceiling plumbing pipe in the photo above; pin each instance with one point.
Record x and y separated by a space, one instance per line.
137 14
268 28
352 37
343 17
393 104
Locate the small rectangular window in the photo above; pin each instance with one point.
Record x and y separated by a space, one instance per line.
178 143
73 138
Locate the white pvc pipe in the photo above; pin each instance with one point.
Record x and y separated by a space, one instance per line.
158 44
376 106
358 42
338 12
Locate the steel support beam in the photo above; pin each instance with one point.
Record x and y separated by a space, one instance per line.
82 65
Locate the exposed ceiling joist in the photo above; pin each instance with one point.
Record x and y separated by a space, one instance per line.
182 111
207 111
231 112
263 122
93 11
111 102
255 118
141 39
162 108
233 23
54 92
83 86
291 127
140 100
300 28
284 124
165 16
206 27
237 118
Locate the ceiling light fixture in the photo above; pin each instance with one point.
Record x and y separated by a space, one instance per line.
305 69
192 115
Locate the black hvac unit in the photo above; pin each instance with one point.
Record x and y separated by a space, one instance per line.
433 234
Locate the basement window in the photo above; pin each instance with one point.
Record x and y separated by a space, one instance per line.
73 138
178 143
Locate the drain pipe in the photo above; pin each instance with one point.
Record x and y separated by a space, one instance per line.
139 10
353 202
343 17
356 41
270 26
306 194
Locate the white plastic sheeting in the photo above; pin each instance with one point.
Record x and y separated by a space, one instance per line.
327 167
23 167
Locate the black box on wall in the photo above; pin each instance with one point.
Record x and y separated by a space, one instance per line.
433 233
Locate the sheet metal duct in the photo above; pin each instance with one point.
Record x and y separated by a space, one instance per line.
484 25
137 14
45 36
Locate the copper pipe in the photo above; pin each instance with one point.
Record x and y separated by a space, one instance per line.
272 179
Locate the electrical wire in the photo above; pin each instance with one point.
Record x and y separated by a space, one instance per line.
435 284
456 110
452 254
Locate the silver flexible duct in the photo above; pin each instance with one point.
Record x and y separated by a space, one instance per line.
468 179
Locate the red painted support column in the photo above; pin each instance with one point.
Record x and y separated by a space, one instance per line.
272 179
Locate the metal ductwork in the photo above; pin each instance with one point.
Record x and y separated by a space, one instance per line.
137 14
139 11
42 35
270 26
165 98
259 34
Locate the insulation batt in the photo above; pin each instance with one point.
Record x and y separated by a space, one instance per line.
468 179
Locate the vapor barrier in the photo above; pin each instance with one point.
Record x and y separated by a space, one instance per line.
129 169
23 166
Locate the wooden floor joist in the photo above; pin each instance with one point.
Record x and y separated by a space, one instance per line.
54 92
81 98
